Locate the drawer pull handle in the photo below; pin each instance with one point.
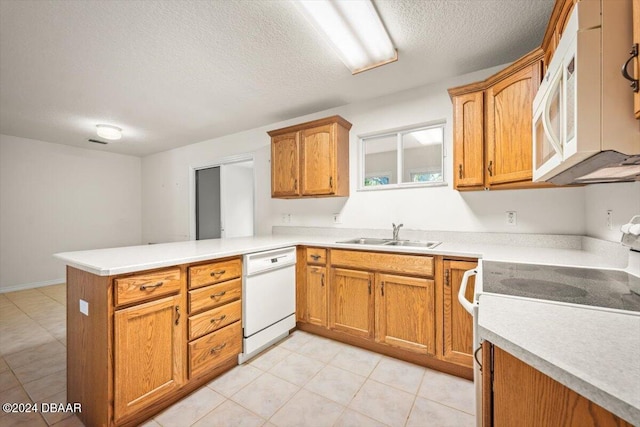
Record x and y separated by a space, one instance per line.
217 348
218 319
145 287
218 294
315 257
217 274
177 314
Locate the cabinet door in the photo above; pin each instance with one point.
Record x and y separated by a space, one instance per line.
317 295
468 140
509 124
524 396
351 302
148 354
457 323
636 40
285 165
405 308
318 148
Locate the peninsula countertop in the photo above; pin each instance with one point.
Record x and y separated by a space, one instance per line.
599 353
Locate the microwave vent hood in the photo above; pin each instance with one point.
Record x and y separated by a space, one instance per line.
603 167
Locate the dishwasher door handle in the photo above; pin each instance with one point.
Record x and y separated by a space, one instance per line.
463 290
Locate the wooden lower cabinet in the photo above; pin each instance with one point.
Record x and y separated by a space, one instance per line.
351 302
139 342
457 323
148 354
316 295
519 394
405 312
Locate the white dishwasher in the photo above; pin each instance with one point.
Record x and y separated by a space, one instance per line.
268 299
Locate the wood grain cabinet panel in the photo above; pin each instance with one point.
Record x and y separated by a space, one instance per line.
206 352
405 312
211 320
636 40
148 354
457 324
493 128
378 261
316 295
509 126
215 272
526 397
285 177
311 159
351 302
145 287
212 296
468 145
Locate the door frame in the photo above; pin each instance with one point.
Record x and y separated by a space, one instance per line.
240 158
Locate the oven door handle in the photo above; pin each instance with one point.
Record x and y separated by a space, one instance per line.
463 290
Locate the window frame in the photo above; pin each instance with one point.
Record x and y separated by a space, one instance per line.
399 132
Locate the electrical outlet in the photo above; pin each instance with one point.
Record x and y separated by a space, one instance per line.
285 218
512 218
337 218
610 219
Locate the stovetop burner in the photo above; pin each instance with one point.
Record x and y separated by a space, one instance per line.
585 286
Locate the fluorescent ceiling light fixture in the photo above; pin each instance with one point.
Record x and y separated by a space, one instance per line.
428 136
109 132
354 30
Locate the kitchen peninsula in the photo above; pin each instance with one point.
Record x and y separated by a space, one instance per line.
103 308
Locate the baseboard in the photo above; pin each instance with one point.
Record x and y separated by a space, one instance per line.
32 285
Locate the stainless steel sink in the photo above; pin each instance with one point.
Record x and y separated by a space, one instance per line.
366 241
415 244
391 242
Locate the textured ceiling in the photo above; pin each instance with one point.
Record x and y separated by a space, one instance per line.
172 73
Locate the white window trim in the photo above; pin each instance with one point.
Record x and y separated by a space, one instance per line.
400 157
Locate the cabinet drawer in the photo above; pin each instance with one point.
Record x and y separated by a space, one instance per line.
206 352
215 295
316 256
146 286
214 319
208 274
376 261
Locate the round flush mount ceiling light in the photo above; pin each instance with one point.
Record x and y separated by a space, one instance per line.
109 132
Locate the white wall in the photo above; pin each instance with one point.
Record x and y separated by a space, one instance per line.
166 181
56 198
623 200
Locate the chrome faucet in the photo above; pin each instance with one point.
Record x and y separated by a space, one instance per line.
396 230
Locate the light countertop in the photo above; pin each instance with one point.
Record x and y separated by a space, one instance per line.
592 351
113 261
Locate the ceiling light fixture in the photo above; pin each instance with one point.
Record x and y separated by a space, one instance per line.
109 132
353 29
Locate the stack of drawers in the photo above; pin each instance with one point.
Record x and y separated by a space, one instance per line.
215 311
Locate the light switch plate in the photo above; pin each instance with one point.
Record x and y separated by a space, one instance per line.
84 307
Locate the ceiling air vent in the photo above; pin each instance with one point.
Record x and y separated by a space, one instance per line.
98 142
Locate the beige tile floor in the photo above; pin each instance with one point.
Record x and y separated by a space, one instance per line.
305 380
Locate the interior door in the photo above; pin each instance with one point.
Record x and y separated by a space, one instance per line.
208 204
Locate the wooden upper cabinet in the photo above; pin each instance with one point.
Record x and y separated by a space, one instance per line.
555 28
148 354
311 159
352 302
457 323
636 41
468 140
286 176
405 312
318 160
508 124
492 146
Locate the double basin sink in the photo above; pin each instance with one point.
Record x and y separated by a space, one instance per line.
391 242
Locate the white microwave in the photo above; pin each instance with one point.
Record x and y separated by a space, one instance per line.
584 128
